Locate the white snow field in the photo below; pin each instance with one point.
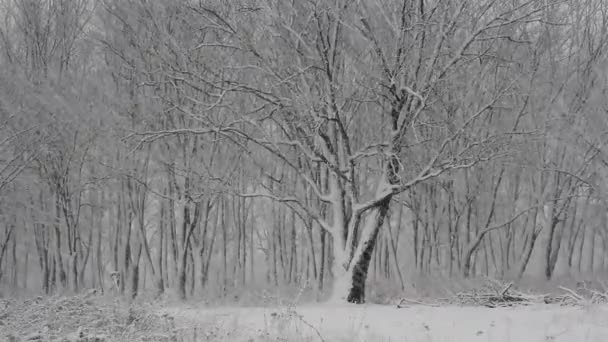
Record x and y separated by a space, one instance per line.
387 323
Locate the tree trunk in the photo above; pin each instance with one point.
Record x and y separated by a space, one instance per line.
311 242
15 262
251 251
224 249
549 251
322 259
190 224
527 253
275 272
25 268
59 258
160 280
4 246
591 264
207 252
394 249
581 248
349 282
291 275
135 274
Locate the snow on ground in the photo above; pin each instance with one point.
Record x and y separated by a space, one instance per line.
387 323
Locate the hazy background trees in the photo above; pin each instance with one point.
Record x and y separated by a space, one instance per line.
217 149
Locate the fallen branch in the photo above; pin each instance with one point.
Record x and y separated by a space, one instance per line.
413 301
572 293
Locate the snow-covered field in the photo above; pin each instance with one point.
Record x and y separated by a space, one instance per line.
387 323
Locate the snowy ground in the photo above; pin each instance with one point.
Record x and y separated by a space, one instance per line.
387 323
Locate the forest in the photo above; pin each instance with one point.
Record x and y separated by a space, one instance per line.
349 149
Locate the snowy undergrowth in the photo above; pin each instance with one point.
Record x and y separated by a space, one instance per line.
82 318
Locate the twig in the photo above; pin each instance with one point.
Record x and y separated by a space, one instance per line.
312 327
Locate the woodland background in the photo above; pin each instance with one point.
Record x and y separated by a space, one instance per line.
148 146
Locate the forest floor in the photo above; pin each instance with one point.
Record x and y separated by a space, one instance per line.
86 318
387 323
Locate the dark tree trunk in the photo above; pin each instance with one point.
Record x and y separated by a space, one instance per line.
135 275
360 264
322 259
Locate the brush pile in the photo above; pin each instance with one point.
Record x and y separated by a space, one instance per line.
496 294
